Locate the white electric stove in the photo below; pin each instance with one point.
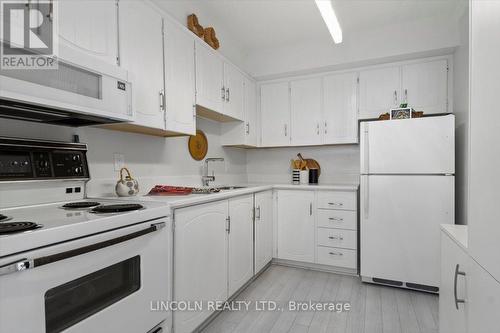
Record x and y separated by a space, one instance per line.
76 264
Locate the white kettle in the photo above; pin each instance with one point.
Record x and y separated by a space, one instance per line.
126 186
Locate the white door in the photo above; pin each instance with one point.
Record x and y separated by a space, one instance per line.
408 146
263 229
179 79
235 92
451 319
484 159
89 27
200 262
210 89
296 225
425 86
483 299
379 91
400 226
240 242
275 114
138 21
306 111
340 108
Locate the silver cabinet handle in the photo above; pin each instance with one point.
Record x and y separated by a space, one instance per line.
336 237
227 94
406 95
395 97
310 209
228 224
162 100
335 219
457 273
248 128
286 130
317 128
340 204
326 128
223 93
258 213
336 253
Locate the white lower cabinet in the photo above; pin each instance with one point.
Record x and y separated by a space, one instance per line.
240 249
469 296
200 260
296 225
263 229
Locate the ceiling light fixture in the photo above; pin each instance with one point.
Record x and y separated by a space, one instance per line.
328 13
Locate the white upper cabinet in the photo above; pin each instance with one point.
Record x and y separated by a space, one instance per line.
139 20
237 133
306 111
340 108
210 89
379 91
179 79
275 114
90 28
234 92
296 240
425 86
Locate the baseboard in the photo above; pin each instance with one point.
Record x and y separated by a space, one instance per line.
315 267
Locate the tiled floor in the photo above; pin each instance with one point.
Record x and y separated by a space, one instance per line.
374 309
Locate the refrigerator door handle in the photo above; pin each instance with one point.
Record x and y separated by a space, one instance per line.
366 196
366 152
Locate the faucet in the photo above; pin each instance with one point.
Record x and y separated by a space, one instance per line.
206 179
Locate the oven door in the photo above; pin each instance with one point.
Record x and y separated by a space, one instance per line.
101 283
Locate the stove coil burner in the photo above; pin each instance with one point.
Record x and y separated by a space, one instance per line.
4 218
119 208
81 204
11 227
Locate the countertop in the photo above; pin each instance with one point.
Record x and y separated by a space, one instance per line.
459 233
196 199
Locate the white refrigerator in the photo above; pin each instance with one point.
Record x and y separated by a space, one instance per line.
407 191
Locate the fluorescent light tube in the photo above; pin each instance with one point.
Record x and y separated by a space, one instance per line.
328 13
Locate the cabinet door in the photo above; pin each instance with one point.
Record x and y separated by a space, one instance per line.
306 111
140 20
425 86
483 299
179 79
240 242
340 108
251 113
200 262
263 229
89 27
296 225
275 114
210 90
379 91
451 319
234 96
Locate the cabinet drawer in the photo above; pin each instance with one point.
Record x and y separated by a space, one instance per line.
343 219
346 239
337 200
337 257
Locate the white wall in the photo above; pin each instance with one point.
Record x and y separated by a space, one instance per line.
273 165
461 109
426 36
152 160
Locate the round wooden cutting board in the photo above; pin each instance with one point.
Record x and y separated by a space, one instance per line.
198 145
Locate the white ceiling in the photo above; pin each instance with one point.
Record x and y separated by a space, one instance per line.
256 24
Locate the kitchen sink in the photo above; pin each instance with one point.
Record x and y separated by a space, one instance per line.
228 188
215 189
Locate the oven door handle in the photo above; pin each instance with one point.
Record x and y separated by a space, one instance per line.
25 264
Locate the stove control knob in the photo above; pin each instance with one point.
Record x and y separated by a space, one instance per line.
76 158
14 163
78 170
43 164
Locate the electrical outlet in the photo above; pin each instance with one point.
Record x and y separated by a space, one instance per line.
119 160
